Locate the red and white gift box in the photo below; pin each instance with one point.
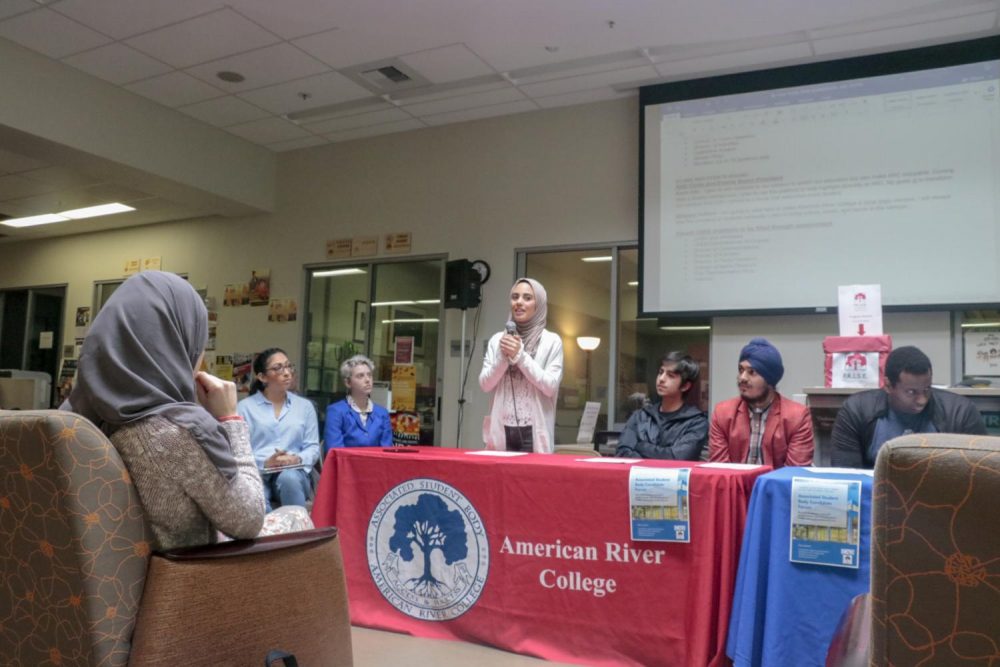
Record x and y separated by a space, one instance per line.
856 361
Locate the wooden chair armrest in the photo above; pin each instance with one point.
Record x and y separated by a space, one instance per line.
232 603
254 546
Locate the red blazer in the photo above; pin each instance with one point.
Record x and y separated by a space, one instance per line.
788 435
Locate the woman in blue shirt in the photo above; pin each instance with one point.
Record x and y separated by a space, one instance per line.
356 421
284 432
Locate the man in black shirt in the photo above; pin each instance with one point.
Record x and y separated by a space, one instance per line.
669 428
907 404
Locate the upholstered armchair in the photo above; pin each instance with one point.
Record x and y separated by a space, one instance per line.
79 584
935 590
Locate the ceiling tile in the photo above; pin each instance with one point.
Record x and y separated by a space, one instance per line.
358 43
582 97
58 178
12 7
606 63
224 111
323 89
51 202
268 131
109 192
14 186
481 112
376 130
936 11
11 163
296 18
588 81
209 37
50 33
117 63
294 144
445 91
508 94
318 114
883 39
448 63
174 89
358 120
742 60
262 67
125 18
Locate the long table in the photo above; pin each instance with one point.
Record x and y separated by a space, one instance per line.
532 554
785 613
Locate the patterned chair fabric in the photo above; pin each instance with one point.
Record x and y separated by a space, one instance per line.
936 551
74 547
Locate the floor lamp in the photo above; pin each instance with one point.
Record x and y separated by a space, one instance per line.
588 344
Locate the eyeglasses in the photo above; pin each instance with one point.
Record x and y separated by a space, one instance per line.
277 368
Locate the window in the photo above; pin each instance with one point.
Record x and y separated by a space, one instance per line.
592 292
390 312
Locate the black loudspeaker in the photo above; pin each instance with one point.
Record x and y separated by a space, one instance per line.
462 284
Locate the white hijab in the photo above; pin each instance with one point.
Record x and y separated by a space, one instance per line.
531 331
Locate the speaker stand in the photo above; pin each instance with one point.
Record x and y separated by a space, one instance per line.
461 383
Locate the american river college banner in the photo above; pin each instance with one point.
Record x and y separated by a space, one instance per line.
532 554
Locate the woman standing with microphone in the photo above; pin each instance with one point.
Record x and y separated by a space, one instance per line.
522 369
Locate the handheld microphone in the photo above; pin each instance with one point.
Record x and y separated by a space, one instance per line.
511 331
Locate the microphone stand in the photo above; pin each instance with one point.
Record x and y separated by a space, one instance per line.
461 384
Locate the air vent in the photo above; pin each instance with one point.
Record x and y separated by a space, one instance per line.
386 76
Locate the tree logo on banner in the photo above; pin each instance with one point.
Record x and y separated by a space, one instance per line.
427 550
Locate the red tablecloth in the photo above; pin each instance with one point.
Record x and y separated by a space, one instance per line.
522 551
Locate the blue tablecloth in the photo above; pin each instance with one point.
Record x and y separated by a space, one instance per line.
785 613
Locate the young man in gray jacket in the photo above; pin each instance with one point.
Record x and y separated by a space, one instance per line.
907 404
669 428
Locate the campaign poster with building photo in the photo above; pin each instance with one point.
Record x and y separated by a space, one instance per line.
826 522
659 504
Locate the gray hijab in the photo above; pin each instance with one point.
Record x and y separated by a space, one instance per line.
531 331
138 361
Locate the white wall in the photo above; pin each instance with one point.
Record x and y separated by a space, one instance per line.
799 338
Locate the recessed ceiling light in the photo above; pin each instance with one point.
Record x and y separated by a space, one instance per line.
94 211
598 258
702 327
411 320
33 220
63 216
337 272
231 77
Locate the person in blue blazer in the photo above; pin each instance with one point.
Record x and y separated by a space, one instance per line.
357 421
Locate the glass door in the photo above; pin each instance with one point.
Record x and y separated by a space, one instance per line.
406 315
390 312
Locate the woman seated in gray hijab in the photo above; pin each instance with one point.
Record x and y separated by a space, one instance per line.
175 427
